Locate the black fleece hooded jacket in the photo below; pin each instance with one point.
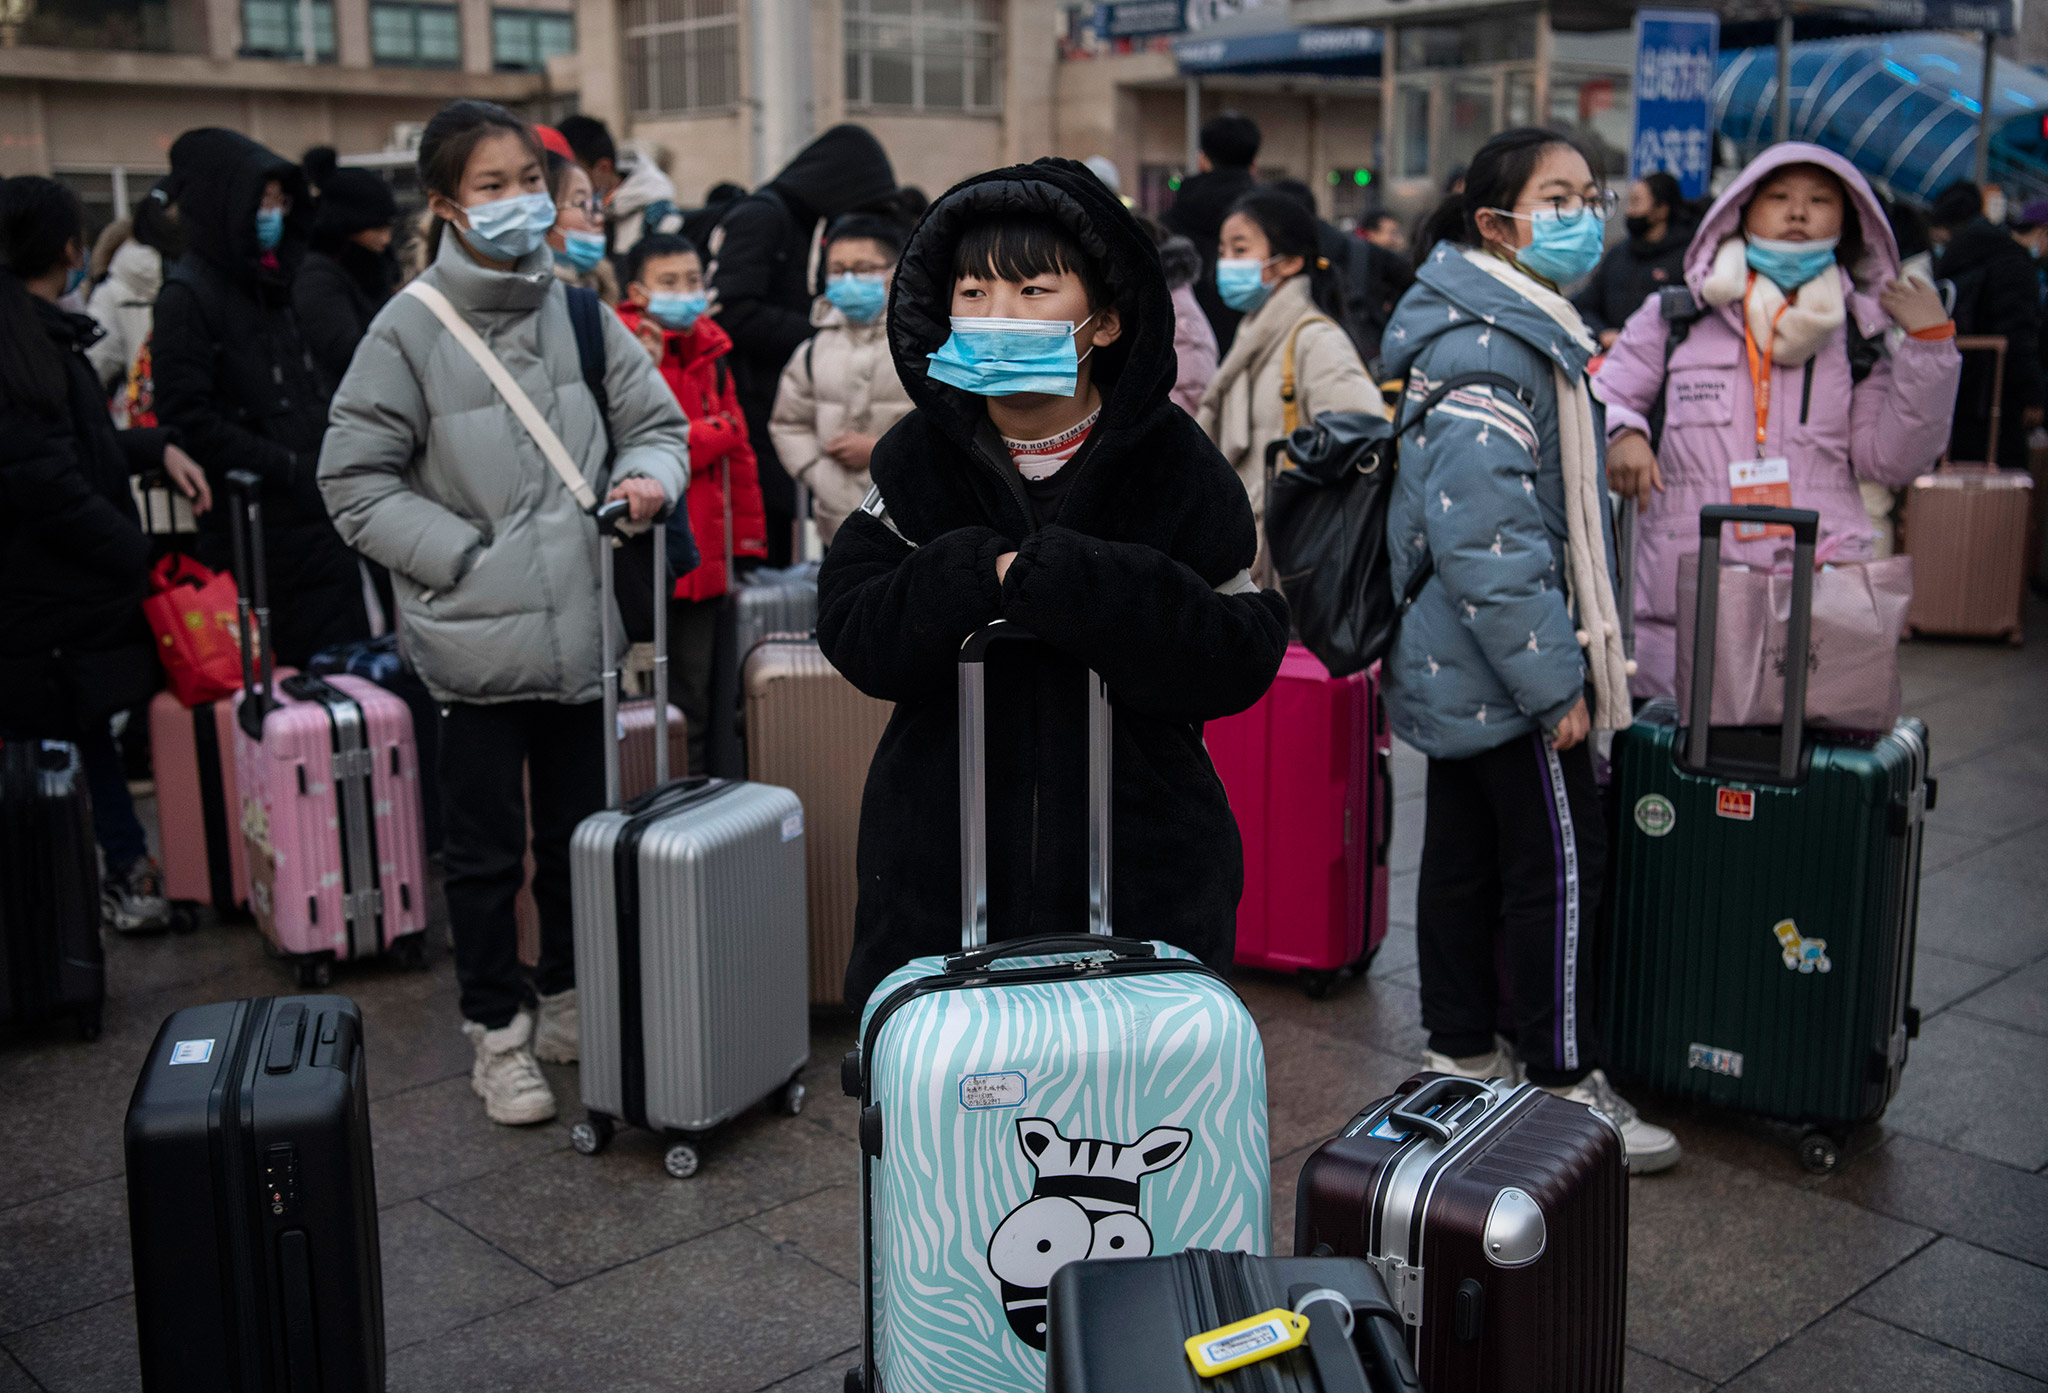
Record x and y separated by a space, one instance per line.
1123 580
763 273
237 378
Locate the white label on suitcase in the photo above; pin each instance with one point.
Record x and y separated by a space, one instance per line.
192 1052
1005 1090
793 826
1714 1061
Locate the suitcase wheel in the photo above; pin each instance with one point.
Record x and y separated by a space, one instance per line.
791 1099
184 917
411 952
1818 1153
89 1024
681 1160
314 973
854 1383
1317 982
591 1135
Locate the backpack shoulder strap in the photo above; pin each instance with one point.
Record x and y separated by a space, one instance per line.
1454 382
1290 414
585 317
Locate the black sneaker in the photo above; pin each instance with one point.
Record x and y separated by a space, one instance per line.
132 900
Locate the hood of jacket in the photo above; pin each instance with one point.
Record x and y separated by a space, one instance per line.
217 179
139 271
641 186
1450 293
843 169
1134 374
1971 247
1724 220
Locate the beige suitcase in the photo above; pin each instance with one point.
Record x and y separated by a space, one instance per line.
1966 528
811 730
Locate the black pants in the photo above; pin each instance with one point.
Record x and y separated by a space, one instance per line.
1513 850
483 750
692 644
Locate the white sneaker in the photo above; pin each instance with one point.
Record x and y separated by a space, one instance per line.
557 1033
1650 1148
1497 1063
506 1077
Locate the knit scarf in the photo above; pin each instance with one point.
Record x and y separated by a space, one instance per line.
1816 311
1585 477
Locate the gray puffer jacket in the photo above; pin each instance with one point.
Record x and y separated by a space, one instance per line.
426 470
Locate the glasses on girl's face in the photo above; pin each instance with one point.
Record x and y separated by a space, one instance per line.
1567 206
588 207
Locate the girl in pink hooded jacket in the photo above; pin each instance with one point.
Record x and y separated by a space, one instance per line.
1812 365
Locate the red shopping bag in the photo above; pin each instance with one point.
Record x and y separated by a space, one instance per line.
192 612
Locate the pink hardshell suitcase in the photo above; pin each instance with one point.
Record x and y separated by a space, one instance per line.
330 798
1307 774
199 805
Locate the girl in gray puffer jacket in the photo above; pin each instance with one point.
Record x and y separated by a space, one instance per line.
427 471
1511 655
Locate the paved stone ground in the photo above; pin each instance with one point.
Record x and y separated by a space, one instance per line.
510 1261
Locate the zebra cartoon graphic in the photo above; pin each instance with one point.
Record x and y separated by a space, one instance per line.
1084 1204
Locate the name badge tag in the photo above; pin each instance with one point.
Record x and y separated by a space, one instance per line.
1766 481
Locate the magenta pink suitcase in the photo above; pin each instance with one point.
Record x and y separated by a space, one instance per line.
330 801
1306 771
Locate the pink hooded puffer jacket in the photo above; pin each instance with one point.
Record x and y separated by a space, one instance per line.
1886 429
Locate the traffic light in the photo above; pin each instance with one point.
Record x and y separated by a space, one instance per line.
1358 178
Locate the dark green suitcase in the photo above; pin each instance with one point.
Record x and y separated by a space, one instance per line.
1765 896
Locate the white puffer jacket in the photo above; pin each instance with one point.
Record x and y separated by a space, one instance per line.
124 304
842 379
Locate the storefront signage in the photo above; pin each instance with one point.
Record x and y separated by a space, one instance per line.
1674 96
1130 19
1298 49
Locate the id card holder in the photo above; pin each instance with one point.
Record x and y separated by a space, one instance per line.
1766 481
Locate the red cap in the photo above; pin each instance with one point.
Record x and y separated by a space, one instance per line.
555 141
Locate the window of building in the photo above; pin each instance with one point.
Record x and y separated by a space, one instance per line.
523 40
270 29
682 55
925 55
416 35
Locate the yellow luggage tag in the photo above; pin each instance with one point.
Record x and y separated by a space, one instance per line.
1246 1342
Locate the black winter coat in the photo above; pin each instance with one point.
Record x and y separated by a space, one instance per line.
1997 292
762 272
1633 270
235 375
1125 582
74 563
335 297
1197 214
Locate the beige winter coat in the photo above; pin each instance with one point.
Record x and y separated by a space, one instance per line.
841 379
1242 410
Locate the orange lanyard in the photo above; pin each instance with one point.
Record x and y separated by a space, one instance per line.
1760 364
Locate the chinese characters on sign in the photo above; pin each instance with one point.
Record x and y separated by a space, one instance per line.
1674 95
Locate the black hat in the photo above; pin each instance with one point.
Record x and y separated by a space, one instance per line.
350 200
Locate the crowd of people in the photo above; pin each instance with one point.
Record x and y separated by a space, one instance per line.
1024 401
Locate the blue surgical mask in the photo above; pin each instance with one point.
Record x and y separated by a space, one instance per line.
1562 248
583 250
993 357
1241 284
859 297
1791 264
269 228
677 312
508 228
73 279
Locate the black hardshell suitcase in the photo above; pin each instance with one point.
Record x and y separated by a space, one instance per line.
252 1207
51 960
1497 1215
1120 1325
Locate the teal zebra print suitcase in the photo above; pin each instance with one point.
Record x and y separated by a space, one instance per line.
1037 1102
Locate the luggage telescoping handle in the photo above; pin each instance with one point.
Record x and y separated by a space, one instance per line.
1335 1337
252 599
609 517
1805 525
1994 344
974 787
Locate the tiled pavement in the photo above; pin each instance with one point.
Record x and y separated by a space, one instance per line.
510 1261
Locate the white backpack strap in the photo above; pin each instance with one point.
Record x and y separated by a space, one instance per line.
875 508
515 397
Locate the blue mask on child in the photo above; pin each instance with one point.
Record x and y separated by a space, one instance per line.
269 228
1790 264
993 357
1563 248
859 297
73 279
506 229
1240 283
583 250
677 312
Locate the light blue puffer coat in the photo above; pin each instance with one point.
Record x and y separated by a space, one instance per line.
1488 651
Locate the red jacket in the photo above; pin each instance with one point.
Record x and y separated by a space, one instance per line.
718 449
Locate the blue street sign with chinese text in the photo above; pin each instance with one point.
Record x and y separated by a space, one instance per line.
1674 96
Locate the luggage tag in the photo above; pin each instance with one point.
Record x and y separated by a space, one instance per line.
1245 1342
1766 481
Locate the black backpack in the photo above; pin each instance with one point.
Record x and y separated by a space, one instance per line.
1326 526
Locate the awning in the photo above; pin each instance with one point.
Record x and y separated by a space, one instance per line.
1338 52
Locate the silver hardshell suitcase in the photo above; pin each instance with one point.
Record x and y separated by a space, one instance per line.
691 939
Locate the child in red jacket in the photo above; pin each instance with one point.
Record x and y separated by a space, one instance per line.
665 305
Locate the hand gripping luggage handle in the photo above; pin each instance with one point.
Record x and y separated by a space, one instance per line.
252 598
1805 525
609 517
974 788
1412 1111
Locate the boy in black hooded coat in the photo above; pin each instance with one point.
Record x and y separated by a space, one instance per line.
1138 576
236 377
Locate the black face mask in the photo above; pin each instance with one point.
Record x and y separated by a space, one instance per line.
1638 227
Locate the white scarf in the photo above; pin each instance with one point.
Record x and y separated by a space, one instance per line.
1580 453
1809 321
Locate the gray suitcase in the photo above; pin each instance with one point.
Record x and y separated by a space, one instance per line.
691 940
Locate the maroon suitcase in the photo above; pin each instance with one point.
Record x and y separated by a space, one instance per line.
1497 1216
